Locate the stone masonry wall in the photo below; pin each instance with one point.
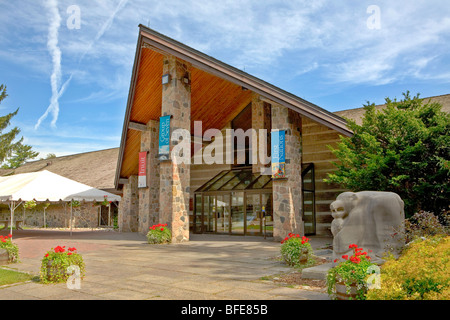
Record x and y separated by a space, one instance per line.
287 193
149 196
56 216
129 206
175 177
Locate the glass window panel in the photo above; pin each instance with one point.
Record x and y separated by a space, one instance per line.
243 180
268 185
262 180
212 181
219 183
267 214
198 214
253 214
223 213
237 213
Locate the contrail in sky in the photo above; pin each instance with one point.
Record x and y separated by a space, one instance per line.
55 51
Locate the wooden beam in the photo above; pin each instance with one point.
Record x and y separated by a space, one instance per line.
137 126
123 181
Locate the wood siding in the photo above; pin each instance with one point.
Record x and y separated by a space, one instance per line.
316 139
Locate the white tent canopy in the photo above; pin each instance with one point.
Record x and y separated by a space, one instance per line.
46 186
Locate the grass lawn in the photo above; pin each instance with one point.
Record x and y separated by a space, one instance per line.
11 276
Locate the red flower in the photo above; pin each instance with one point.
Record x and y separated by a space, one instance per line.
46 255
69 253
59 249
72 249
10 235
345 257
162 229
3 240
335 260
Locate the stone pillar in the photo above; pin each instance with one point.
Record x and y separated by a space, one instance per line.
175 177
257 125
287 193
129 206
149 196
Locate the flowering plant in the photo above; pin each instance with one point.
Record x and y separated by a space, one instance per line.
105 201
30 204
56 261
351 271
159 233
75 203
295 250
12 249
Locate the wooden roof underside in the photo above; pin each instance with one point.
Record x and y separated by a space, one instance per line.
214 102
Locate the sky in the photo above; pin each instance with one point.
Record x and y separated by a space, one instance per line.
67 64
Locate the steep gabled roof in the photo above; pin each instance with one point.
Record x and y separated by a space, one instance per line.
96 169
207 66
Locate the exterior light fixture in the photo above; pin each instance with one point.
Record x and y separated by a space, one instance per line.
186 79
166 78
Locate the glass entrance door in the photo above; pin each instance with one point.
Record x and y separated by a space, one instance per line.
267 214
237 213
253 214
209 207
223 213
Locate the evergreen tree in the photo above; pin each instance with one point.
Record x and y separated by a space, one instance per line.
404 148
13 151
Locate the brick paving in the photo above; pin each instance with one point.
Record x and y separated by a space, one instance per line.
121 266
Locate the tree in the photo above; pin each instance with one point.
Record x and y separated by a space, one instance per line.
21 154
13 151
404 148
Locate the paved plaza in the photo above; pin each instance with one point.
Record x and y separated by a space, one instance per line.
124 266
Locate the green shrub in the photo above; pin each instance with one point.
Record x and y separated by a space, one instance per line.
296 251
423 224
159 233
420 273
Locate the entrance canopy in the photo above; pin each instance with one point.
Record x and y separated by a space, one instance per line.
48 186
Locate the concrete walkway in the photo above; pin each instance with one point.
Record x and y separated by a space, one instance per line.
124 266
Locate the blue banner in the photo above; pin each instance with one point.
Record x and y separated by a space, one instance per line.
278 145
164 138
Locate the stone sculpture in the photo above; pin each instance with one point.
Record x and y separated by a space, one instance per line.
372 220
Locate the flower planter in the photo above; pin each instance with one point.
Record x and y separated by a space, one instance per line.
343 294
4 257
303 258
55 273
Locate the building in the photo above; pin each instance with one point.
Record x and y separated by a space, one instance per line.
207 99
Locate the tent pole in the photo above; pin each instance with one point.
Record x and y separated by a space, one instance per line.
12 215
71 218
44 220
109 215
